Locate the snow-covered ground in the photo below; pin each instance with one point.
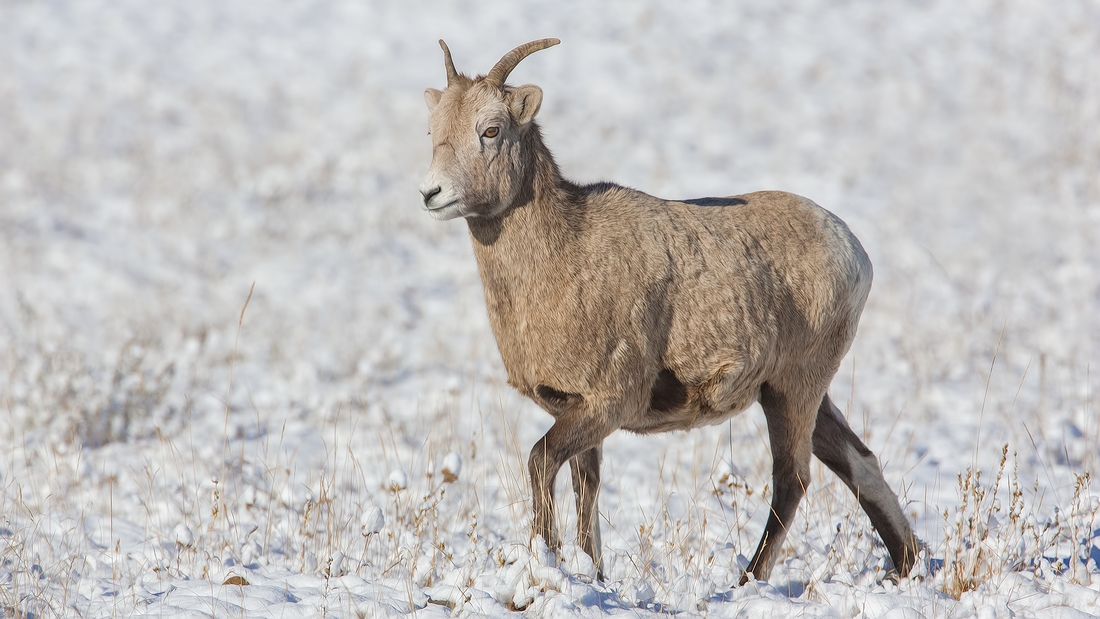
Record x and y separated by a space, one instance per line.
163 431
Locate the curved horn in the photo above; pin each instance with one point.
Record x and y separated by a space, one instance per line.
451 73
500 72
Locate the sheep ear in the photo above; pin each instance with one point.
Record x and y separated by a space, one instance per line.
525 102
431 97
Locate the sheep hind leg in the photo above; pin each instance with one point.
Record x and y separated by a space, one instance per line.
790 431
841 450
585 467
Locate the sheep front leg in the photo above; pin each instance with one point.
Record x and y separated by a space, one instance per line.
569 436
585 467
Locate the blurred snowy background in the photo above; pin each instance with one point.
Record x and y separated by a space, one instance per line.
157 159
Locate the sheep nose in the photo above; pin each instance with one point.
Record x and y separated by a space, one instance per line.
430 193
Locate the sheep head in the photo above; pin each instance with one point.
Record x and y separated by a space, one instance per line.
478 128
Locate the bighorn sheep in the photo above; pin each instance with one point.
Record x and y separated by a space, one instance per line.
615 309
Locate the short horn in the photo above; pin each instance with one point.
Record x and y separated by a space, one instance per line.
500 72
451 73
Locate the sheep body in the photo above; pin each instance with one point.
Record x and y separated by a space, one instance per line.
725 296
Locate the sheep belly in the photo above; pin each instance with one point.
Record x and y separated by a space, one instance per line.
675 406
729 391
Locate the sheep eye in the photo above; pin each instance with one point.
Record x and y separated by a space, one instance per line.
491 132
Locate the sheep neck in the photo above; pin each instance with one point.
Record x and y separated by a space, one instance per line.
531 237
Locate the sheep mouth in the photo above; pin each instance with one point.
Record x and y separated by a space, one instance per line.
441 206
450 210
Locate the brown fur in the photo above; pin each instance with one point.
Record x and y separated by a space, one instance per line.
613 309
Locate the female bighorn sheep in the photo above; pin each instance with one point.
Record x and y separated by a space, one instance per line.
615 309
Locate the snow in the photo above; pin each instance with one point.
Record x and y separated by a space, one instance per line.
372 520
452 467
398 480
167 427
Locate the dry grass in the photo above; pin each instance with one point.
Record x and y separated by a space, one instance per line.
995 530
